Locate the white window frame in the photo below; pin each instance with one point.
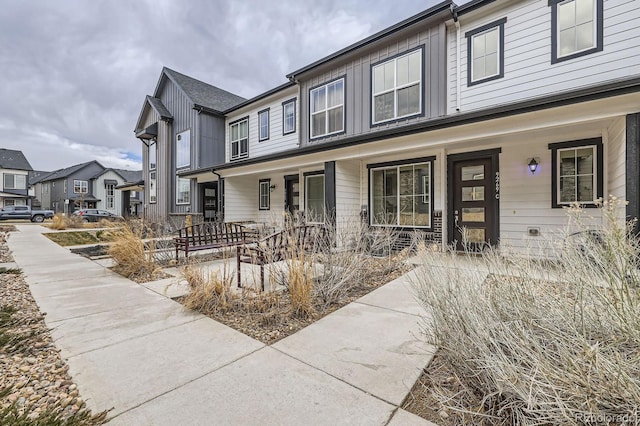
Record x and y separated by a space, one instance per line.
264 194
291 104
80 186
183 149
396 87
182 201
594 28
110 191
306 198
15 179
263 128
326 109
426 198
483 31
239 140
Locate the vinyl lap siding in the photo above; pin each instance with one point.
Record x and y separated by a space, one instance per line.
240 198
347 195
616 166
528 69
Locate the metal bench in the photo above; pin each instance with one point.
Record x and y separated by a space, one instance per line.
281 246
211 235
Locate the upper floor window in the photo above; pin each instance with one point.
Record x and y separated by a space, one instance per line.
240 139
397 87
80 186
183 149
577 172
153 191
12 181
183 190
153 153
264 194
327 109
289 117
485 53
263 125
576 28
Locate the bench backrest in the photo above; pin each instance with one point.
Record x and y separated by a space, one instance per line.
214 233
307 238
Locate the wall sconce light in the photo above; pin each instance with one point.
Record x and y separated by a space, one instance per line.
272 188
533 165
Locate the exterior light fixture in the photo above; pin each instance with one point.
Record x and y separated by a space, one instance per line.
272 188
533 166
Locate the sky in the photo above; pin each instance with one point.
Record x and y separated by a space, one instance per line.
74 73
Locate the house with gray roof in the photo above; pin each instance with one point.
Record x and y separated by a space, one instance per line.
107 189
15 169
70 188
182 127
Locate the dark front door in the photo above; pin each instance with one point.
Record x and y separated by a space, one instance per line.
210 201
292 194
474 207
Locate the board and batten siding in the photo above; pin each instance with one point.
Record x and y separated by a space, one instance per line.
528 72
210 147
277 142
357 75
100 192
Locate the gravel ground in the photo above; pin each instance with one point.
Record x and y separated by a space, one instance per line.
34 377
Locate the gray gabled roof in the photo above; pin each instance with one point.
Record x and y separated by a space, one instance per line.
66 172
201 93
129 175
36 176
13 159
162 110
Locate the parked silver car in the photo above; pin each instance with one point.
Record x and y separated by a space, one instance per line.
95 215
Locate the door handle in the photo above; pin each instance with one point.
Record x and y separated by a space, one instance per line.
455 218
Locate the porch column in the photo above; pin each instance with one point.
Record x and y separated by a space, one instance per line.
330 190
633 168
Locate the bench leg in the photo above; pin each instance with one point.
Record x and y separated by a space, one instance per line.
262 275
238 262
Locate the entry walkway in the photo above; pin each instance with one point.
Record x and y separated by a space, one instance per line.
152 362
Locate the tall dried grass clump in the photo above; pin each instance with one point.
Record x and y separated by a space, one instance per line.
61 222
541 342
210 292
130 255
300 282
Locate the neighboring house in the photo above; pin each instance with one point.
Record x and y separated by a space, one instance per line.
182 127
106 189
35 187
15 169
487 117
69 189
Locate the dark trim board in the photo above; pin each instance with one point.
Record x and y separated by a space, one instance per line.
494 155
330 191
568 98
632 171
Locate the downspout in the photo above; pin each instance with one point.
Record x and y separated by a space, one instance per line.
220 201
454 12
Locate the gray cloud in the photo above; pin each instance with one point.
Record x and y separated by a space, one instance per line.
75 73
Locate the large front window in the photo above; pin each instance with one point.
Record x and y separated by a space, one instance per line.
12 181
576 28
327 109
397 87
183 149
183 191
314 198
240 139
401 195
577 172
80 186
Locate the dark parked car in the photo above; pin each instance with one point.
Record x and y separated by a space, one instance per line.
25 212
95 215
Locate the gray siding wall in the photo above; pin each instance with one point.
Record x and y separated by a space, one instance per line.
357 73
211 145
84 174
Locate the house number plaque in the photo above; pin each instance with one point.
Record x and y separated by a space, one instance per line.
497 185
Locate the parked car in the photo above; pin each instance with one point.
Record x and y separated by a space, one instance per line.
25 212
95 215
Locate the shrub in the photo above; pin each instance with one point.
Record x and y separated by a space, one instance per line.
131 258
555 341
210 292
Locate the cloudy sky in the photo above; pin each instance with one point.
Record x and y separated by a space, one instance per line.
74 73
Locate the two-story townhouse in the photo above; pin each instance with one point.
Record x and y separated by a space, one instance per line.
15 169
182 128
71 188
107 189
487 117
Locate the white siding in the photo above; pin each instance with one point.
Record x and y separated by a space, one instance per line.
100 192
528 72
241 199
348 195
277 142
616 164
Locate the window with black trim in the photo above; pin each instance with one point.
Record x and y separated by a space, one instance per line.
263 125
314 197
401 194
327 109
485 53
153 153
239 139
14 181
264 194
576 28
289 117
577 172
80 186
396 89
183 190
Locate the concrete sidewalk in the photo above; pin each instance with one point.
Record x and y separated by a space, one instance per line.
152 362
